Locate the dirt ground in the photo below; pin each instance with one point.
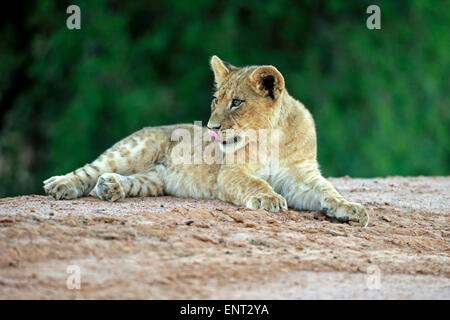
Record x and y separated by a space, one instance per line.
170 248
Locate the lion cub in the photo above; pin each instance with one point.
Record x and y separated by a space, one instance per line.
246 98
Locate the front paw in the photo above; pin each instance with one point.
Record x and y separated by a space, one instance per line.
62 187
269 202
348 211
109 187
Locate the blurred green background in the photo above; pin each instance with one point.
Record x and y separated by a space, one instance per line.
380 98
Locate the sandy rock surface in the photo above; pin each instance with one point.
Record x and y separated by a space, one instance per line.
171 248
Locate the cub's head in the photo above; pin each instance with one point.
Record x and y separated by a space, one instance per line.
246 99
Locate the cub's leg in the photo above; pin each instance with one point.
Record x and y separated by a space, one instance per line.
135 153
114 187
305 189
238 186
75 184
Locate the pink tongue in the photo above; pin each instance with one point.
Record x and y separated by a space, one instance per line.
214 136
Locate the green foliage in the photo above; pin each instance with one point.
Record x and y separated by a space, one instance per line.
380 97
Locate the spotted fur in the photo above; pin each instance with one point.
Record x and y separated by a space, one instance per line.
142 164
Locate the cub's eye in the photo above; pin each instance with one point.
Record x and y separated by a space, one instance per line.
236 103
215 100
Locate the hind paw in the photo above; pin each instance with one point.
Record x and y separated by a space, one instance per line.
109 187
62 187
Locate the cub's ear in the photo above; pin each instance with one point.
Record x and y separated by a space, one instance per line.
221 69
267 81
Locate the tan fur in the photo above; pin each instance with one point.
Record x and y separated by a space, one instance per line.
142 164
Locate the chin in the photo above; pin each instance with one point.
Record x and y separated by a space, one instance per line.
232 147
